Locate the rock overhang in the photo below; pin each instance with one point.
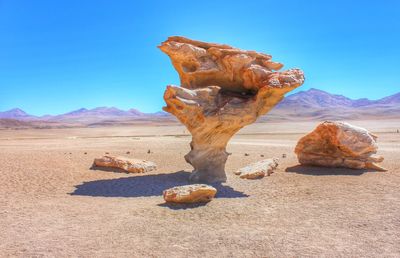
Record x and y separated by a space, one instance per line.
201 64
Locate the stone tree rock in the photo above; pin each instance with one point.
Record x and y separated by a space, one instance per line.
223 89
337 144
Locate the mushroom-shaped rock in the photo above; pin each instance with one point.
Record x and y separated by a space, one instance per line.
127 164
202 64
339 144
224 89
190 193
258 169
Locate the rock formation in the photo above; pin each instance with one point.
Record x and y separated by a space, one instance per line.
223 89
258 169
337 144
127 164
190 193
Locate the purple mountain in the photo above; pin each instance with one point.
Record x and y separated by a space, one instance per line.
314 98
311 104
16 113
316 104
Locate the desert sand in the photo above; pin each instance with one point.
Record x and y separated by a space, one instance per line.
53 204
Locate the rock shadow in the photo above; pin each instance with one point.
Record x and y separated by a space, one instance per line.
108 169
142 185
182 206
326 171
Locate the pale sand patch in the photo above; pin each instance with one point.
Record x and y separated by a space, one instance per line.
53 204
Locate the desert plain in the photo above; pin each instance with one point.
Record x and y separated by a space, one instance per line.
55 204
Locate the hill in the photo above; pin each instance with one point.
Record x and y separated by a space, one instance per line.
315 104
312 104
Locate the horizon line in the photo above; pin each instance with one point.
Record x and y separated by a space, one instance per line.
126 110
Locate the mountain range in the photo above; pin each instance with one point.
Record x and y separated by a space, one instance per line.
321 99
319 105
82 115
312 104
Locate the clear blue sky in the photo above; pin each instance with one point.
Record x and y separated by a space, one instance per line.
57 56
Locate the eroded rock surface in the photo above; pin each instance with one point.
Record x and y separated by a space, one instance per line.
258 169
223 89
190 193
127 164
202 64
337 144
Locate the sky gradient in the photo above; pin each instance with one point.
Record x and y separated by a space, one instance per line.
58 56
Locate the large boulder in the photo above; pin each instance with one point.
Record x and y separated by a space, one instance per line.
223 90
258 169
338 144
190 193
126 164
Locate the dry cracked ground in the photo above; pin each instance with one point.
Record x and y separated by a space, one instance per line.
54 205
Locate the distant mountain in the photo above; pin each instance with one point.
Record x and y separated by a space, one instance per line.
394 99
136 112
82 117
94 115
315 98
320 105
99 111
16 113
320 99
312 104
161 114
77 112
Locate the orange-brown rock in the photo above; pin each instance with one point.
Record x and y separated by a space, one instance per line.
337 144
190 193
258 169
202 64
127 164
224 89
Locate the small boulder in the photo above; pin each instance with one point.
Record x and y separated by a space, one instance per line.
127 164
190 193
258 169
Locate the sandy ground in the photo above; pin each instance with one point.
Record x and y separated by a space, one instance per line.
54 205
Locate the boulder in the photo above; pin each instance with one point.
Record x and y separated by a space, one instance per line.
339 144
223 90
258 169
127 164
190 193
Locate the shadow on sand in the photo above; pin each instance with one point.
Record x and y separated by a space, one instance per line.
182 206
326 171
108 169
146 185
